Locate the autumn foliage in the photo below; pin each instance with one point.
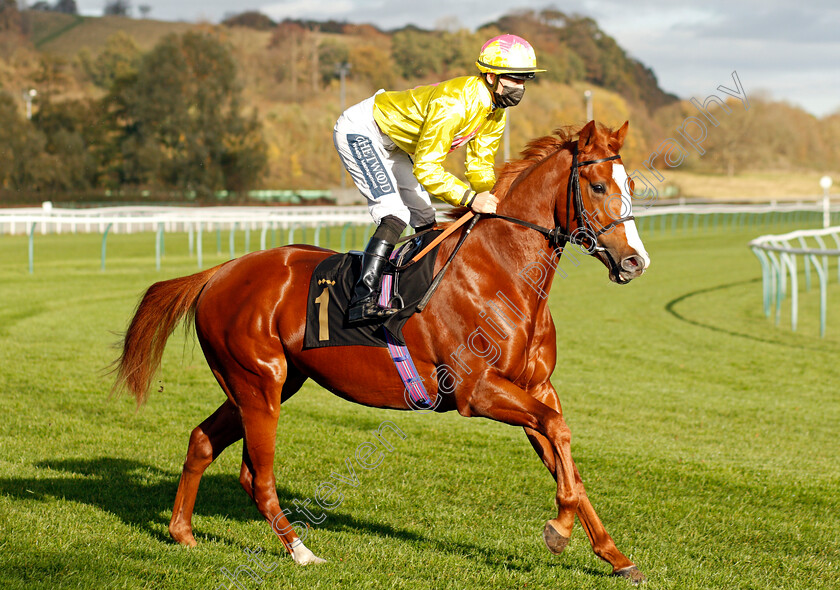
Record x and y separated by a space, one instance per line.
252 103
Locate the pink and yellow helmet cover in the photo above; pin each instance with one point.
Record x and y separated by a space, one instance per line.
507 54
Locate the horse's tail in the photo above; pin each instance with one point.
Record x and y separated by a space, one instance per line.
163 305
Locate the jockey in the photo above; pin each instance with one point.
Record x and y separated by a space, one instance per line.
394 145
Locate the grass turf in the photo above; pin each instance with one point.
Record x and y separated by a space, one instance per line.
706 436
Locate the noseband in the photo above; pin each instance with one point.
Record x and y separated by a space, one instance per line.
584 232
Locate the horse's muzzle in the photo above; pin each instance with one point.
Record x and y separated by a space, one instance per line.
630 268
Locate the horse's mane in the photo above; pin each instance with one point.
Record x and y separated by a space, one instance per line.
535 152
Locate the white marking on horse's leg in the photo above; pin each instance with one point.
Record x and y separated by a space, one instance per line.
304 556
633 239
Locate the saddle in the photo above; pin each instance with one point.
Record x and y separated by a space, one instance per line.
331 287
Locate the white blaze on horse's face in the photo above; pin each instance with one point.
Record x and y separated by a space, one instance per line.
633 240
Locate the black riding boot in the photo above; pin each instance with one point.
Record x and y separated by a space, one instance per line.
364 305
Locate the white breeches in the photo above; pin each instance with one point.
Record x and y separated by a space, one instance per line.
382 172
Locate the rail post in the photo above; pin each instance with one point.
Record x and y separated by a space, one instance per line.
766 278
158 244
198 247
231 240
104 242
822 275
263 234
32 247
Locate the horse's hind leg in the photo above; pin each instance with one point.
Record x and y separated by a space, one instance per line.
207 441
291 386
259 399
260 432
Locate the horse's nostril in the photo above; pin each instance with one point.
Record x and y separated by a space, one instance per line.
632 263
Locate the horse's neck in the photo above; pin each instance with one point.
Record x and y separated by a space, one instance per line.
521 255
533 198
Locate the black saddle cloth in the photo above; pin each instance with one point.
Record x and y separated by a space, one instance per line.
331 287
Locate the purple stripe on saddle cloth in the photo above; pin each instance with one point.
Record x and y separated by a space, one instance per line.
400 355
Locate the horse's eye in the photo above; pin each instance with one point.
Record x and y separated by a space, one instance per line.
599 188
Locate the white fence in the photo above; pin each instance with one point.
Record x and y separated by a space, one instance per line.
778 255
196 221
175 219
140 219
193 220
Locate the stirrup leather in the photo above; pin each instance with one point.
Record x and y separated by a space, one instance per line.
364 305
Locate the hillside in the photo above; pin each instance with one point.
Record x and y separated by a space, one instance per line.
64 34
287 76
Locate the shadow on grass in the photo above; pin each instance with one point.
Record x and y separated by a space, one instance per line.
141 495
670 307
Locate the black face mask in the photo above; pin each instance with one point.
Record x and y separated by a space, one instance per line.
509 96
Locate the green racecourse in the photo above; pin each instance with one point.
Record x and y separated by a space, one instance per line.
707 438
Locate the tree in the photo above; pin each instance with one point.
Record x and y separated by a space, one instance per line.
331 52
10 19
120 58
290 40
417 53
251 19
574 47
67 131
13 133
373 65
144 9
117 8
48 154
460 50
52 74
178 120
314 67
66 7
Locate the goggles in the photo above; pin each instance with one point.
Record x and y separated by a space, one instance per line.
522 76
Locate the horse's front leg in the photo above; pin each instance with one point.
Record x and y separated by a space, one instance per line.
497 398
602 544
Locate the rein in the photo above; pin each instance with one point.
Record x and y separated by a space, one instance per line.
556 237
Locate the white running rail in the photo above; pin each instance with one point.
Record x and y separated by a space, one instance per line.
778 255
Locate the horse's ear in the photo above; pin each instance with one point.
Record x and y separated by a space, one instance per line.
621 134
585 137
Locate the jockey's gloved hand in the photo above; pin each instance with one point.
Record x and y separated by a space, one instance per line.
484 203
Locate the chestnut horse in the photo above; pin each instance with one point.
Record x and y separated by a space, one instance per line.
249 316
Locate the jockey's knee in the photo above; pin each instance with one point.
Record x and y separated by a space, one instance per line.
389 229
421 220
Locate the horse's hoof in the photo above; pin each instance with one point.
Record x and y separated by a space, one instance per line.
182 535
303 556
554 540
632 573
309 560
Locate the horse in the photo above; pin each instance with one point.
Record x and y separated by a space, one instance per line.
486 339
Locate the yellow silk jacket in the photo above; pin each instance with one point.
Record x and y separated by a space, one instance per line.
428 122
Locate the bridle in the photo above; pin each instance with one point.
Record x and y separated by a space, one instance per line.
585 231
556 237
582 216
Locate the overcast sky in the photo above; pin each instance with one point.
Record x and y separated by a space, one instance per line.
790 50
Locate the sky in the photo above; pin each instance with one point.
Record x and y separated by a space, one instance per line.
781 49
